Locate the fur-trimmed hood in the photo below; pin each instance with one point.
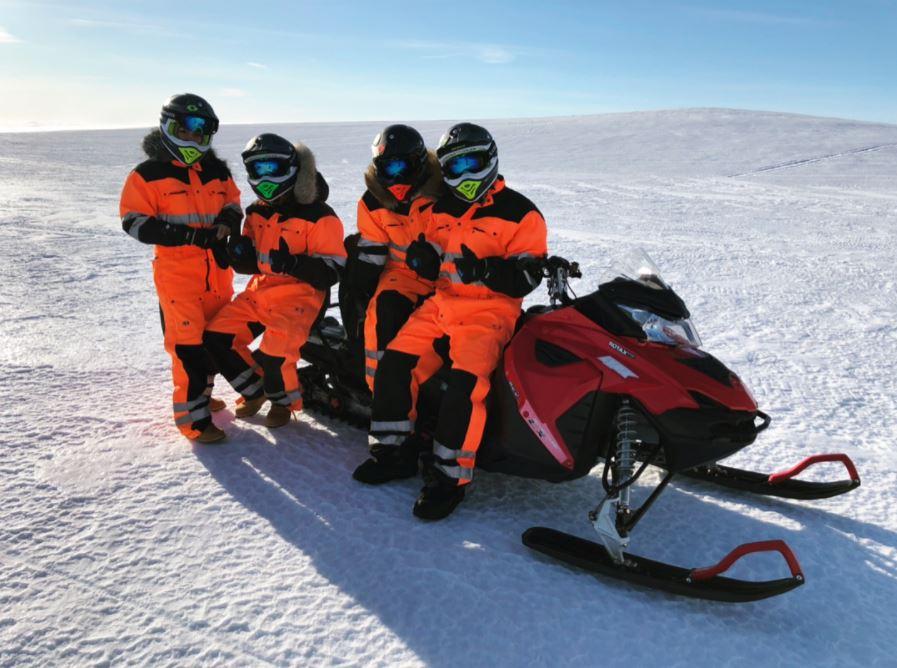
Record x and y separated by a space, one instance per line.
310 185
432 186
155 149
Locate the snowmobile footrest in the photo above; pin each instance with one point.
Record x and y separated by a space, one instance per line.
780 484
706 583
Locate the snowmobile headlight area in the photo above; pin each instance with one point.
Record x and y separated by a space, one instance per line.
662 330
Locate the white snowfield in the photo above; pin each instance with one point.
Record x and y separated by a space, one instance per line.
121 543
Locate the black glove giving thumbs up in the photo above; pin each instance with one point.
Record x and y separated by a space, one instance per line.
423 258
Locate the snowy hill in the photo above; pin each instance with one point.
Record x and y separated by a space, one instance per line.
122 543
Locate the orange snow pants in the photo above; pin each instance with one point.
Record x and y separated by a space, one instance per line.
477 331
191 291
283 315
398 294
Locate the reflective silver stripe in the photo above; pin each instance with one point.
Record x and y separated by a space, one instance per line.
190 405
390 439
438 248
188 219
400 247
294 396
456 472
374 354
338 260
137 222
276 395
451 257
252 389
368 371
242 378
395 256
372 259
396 425
198 414
448 453
263 257
369 243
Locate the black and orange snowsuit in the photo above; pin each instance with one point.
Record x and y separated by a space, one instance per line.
477 320
281 307
387 227
160 199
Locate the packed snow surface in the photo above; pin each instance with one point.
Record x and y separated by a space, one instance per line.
122 543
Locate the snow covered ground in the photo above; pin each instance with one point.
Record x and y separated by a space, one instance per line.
121 543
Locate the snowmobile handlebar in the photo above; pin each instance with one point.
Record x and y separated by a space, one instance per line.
559 271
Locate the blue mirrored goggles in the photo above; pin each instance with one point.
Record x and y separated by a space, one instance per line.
268 167
197 124
466 163
395 167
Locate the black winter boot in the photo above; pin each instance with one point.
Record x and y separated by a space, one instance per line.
387 462
438 497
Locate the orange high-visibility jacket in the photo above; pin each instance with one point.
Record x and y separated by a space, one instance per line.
161 193
308 229
387 226
504 224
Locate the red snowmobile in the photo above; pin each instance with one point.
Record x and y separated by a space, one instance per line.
615 378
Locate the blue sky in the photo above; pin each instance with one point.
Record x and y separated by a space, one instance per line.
109 64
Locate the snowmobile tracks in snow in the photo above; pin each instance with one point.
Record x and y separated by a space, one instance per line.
809 161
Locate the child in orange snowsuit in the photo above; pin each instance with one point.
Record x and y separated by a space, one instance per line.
292 243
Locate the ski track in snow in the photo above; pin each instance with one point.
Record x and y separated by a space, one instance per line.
122 544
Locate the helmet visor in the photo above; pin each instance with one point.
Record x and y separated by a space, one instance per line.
465 163
399 168
268 166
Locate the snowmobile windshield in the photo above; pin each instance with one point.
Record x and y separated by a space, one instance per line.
638 266
663 330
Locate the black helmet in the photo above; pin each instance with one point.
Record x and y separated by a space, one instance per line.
468 158
191 113
272 164
400 159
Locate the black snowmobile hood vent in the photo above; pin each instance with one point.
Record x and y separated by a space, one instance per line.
710 367
665 303
552 355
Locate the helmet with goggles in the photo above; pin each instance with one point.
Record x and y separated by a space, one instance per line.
272 165
399 156
187 124
468 158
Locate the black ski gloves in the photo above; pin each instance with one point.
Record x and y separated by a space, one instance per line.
470 267
313 270
241 255
230 217
423 258
515 277
204 237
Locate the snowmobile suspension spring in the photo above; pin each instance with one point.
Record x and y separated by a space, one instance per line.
625 453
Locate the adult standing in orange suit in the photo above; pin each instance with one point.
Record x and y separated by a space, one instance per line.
292 245
184 201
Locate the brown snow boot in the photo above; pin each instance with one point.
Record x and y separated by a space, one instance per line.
246 408
211 434
278 415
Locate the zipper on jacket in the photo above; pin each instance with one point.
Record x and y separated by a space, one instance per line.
208 271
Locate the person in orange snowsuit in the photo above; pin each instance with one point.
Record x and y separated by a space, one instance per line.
480 242
184 201
403 177
292 244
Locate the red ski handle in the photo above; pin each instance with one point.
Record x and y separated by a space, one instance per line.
782 476
700 574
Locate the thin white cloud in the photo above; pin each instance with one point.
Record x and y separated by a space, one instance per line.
6 38
744 16
491 54
232 92
258 66
129 26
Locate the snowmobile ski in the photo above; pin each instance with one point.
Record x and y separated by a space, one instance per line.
705 583
781 484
